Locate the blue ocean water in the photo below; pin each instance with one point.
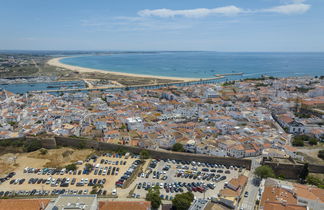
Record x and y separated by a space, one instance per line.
206 64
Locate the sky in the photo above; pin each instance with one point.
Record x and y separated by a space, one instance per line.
213 25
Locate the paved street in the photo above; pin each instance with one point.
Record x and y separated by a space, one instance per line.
247 203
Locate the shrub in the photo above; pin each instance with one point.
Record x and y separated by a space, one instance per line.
177 147
144 154
43 151
88 167
71 167
121 151
314 180
297 143
321 154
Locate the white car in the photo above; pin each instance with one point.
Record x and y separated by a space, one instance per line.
114 192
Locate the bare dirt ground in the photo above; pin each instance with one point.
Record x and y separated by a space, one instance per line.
53 158
310 154
61 157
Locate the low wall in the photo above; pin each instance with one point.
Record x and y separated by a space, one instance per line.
228 161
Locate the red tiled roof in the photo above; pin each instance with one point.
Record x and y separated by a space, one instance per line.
23 204
122 205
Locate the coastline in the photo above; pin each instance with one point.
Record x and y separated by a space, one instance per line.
57 62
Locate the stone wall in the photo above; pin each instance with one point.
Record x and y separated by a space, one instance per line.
76 142
316 168
47 143
289 171
228 161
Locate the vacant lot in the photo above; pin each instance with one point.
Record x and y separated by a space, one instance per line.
53 158
60 157
310 154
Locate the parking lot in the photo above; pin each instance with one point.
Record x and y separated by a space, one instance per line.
106 170
173 177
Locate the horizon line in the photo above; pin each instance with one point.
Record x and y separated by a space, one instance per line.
36 50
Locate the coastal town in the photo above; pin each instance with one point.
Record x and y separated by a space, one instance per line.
240 119
253 118
162 105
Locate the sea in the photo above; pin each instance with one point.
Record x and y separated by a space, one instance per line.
189 65
205 64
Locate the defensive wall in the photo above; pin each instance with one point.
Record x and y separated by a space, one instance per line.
158 154
292 169
288 170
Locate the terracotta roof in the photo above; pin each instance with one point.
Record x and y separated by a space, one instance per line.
23 204
280 206
310 193
239 182
290 148
286 119
121 205
277 195
226 192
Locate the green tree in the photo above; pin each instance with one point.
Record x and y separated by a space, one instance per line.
312 141
264 172
297 142
71 167
121 151
302 137
304 173
183 201
144 154
177 147
32 145
153 195
88 167
321 154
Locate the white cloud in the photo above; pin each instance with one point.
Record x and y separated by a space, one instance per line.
293 7
297 8
199 12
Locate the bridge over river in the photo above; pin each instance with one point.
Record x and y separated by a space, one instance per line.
135 87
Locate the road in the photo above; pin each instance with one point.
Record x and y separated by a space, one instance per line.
247 203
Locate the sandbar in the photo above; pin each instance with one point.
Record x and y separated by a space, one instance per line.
57 62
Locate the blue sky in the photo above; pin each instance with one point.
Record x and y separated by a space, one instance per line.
218 25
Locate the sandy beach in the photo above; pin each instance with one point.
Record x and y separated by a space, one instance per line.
56 62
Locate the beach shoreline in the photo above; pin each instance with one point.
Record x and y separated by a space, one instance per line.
57 63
